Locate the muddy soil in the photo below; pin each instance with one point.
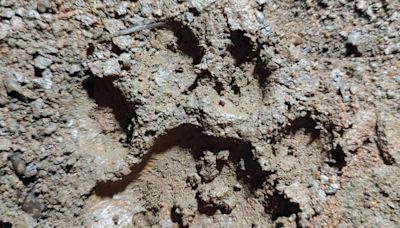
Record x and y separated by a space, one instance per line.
199 113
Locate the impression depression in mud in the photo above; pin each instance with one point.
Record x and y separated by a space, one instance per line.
199 113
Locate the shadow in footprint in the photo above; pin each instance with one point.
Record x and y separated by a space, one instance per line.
191 137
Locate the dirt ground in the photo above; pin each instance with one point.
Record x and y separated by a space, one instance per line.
199 113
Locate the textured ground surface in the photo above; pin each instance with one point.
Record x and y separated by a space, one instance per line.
232 113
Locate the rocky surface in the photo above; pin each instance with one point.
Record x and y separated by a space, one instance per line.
196 113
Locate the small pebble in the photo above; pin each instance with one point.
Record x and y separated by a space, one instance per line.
146 8
113 25
31 170
45 82
5 144
19 165
332 189
96 68
17 23
68 121
237 187
324 179
51 129
392 49
86 19
37 107
322 195
7 13
4 30
42 62
32 205
74 69
296 40
125 60
4 157
223 155
193 180
123 42
33 14
20 12
13 107
122 8
3 98
390 94
361 5
43 6
111 68
354 38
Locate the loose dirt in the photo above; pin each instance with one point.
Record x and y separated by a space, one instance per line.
199 113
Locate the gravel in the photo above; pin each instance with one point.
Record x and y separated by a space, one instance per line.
201 113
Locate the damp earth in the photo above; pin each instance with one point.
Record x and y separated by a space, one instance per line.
199 113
